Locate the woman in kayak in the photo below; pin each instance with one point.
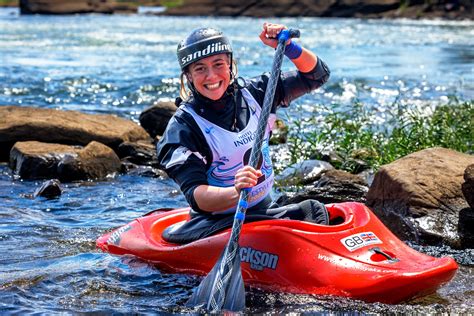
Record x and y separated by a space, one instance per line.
207 143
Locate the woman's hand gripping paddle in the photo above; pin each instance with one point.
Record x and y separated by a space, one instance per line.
223 287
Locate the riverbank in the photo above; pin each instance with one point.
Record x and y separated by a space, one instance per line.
342 8
387 9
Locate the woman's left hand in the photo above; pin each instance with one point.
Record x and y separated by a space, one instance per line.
246 177
270 32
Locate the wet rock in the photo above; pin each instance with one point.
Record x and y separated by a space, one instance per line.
36 160
63 127
126 8
419 196
140 153
466 216
466 228
368 176
66 6
468 185
302 172
333 186
144 171
330 156
49 189
155 119
95 161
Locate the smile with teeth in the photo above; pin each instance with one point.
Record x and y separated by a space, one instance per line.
213 86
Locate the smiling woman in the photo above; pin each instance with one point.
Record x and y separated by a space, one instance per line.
211 76
205 147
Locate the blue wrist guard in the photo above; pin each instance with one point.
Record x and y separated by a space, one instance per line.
293 50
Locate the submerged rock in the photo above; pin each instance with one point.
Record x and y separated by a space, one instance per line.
49 189
419 196
141 170
36 160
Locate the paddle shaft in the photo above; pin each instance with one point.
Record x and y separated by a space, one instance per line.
224 274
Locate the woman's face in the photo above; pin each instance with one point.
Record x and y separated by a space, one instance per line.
211 75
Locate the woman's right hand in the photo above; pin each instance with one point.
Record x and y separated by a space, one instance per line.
246 177
270 32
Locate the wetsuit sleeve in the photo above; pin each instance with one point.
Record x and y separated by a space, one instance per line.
183 154
296 83
291 85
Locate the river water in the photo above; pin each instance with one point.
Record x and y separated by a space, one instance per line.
123 64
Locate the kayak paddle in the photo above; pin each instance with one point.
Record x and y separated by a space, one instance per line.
223 287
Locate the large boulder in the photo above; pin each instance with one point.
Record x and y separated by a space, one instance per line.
66 6
63 127
36 160
419 196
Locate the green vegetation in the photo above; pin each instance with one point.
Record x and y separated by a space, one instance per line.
363 135
137 3
9 3
141 2
404 4
164 3
172 3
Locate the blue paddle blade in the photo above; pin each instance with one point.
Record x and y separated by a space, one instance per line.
234 301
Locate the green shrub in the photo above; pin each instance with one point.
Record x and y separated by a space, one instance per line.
360 134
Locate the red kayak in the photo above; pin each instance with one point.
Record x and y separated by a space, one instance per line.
356 256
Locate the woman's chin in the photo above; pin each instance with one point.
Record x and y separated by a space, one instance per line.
213 95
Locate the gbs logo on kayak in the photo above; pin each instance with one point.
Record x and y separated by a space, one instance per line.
360 240
258 260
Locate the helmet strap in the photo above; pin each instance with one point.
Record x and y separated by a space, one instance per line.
233 91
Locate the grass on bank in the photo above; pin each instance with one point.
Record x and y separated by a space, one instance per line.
361 139
150 3
9 3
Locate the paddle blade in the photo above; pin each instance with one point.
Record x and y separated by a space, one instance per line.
232 293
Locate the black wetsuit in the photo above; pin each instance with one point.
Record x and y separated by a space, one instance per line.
231 113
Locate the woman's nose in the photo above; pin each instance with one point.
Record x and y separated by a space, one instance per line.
210 73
